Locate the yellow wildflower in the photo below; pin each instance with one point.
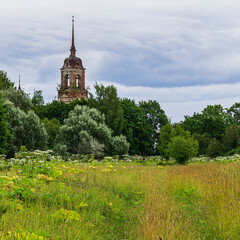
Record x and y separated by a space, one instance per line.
91 167
42 176
82 204
9 185
6 177
106 170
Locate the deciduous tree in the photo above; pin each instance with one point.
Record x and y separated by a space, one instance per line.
231 138
213 120
155 115
19 98
5 82
4 133
234 112
165 137
137 129
108 103
37 99
25 129
85 131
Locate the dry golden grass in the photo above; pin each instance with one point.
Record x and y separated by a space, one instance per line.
192 202
162 219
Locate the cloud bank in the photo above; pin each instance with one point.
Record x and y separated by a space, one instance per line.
185 54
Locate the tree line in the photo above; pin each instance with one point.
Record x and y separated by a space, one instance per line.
103 125
109 125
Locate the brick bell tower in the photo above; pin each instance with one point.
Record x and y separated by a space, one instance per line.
72 76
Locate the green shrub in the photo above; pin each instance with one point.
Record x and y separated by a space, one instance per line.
182 148
120 146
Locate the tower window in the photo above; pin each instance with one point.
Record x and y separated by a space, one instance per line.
67 80
78 80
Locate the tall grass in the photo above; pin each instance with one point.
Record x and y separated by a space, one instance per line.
192 202
67 200
81 203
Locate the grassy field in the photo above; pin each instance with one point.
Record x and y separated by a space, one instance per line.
42 197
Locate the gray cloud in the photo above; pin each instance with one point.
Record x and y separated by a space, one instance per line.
172 48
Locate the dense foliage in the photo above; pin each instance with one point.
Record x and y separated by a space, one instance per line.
216 130
5 82
183 148
25 130
108 103
177 143
19 98
164 139
52 127
142 127
57 110
4 132
37 99
142 124
85 132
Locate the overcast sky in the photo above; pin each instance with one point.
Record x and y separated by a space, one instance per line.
183 53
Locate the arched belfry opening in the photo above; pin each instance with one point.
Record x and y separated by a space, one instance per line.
66 81
78 81
72 76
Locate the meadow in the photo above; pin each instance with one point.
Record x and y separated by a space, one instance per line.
44 197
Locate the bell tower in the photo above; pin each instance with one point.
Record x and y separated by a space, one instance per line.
72 76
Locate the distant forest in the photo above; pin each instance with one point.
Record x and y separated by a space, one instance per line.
109 125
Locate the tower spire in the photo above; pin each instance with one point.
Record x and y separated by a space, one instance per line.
73 49
19 86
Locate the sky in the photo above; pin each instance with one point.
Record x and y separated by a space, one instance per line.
183 53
